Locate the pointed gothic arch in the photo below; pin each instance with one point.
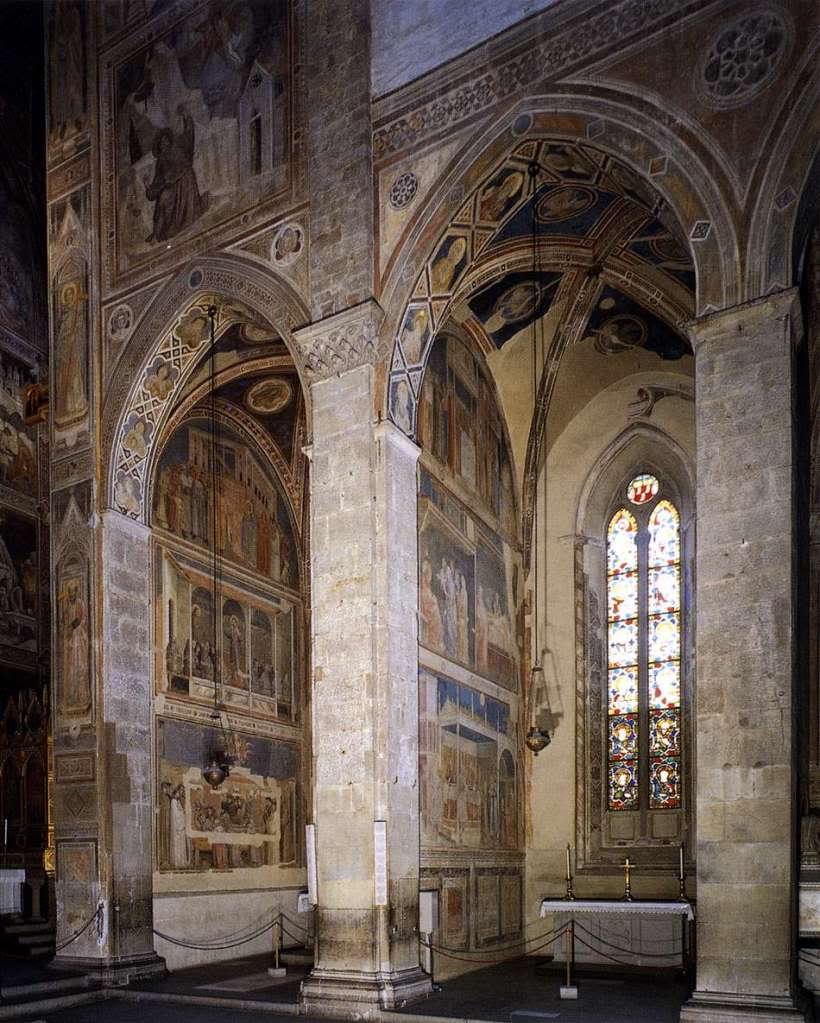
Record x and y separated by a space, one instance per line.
158 363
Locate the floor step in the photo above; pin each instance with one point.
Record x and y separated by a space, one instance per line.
296 957
30 928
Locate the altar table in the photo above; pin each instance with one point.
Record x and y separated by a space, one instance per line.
573 908
11 891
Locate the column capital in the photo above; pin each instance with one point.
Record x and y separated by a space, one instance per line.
387 431
748 319
110 518
341 342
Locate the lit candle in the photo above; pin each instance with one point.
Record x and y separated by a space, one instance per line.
681 862
569 875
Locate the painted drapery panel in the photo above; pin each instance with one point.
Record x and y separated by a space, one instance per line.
202 124
250 821
467 753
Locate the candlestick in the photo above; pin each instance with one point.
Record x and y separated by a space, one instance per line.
627 886
682 878
570 893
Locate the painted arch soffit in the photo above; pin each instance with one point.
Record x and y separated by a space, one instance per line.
290 472
592 211
165 350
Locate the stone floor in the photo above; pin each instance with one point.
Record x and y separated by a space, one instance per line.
238 992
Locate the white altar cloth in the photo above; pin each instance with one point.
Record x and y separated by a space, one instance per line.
601 906
11 890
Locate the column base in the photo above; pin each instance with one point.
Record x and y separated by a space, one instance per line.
348 994
113 972
711 1007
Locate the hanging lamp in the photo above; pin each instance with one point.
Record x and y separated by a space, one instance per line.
221 755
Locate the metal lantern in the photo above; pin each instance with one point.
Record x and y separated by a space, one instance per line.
537 739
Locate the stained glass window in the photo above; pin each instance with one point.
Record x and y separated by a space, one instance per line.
644 631
642 488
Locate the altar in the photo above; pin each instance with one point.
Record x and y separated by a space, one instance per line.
11 891
590 917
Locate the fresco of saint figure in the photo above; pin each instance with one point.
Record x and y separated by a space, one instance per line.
448 263
73 645
71 351
174 190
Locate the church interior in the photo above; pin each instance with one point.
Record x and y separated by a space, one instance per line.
410 509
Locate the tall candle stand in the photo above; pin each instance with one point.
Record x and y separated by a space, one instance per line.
570 896
627 885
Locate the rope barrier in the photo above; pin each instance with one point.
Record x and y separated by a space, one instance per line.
498 948
627 951
495 962
82 930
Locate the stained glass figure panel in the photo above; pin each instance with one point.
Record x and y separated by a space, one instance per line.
623 643
663 589
664 535
664 637
622 543
623 595
664 685
664 783
623 785
664 733
623 691
623 737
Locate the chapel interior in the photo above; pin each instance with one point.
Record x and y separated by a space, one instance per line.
410 502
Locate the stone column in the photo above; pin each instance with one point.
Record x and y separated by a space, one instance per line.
120 945
365 683
746 757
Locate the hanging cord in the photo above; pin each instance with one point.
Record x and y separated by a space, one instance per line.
215 602
220 944
627 951
499 948
496 961
95 917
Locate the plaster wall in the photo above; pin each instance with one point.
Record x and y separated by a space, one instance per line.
440 30
552 801
201 917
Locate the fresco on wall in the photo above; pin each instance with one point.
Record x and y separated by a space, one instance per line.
16 266
467 604
253 651
67 63
18 451
73 636
202 124
251 820
18 588
467 766
68 256
254 529
460 427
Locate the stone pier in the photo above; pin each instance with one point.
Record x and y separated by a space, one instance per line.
745 679
119 945
365 689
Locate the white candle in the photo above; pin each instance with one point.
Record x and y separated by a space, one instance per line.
5 831
569 875
681 861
